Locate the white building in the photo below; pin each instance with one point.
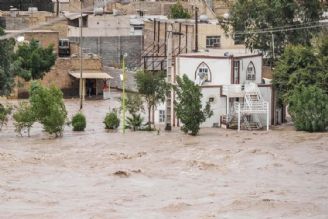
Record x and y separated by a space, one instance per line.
229 80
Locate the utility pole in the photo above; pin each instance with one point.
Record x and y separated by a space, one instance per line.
196 29
57 8
123 98
168 111
273 55
81 58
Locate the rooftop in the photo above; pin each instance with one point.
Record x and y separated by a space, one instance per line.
221 53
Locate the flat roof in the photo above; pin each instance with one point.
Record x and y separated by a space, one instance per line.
222 53
91 75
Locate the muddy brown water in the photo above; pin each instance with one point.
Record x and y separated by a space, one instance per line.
218 174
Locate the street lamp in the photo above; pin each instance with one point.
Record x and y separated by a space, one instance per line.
123 78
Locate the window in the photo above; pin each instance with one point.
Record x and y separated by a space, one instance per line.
161 115
250 71
236 65
202 74
213 42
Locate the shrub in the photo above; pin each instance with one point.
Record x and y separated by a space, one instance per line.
79 122
308 107
48 107
5 111
24 118
134 122
177 11
111 121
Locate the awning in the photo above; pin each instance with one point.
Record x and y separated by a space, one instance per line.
91 75
73 16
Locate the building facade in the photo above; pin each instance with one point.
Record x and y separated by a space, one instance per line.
228 79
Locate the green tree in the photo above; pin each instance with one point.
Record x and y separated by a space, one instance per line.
308 107
189 107
5 111
177 11
24 118
6 73
320 45
134 103
247 17
153 88
298 65
48 107
34 60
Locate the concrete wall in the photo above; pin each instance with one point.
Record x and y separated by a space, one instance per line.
218 105
244 62
110 49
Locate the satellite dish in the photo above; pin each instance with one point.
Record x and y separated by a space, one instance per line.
203 18
200 78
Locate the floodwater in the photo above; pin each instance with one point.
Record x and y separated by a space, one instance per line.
218 174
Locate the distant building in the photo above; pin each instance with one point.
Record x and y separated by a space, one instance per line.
109 37
23 5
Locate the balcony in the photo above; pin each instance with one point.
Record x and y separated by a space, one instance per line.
233 90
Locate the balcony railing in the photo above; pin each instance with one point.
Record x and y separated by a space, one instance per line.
233 90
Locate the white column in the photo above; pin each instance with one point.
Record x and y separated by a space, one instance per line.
238 117
267 117
227 108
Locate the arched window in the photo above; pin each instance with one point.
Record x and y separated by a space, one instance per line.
203 73
250 72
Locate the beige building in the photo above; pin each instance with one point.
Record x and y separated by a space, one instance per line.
65 74
210 35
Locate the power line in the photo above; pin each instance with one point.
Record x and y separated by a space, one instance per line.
280 30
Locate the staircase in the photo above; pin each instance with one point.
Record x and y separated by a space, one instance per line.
250 108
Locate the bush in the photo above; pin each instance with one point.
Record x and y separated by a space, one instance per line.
24 118
48 107
111 121
79 122
5 111
308 107
134 122
177 11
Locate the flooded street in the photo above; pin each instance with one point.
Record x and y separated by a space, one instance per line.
141 175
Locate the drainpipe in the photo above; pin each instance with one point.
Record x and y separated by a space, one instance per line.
196 31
